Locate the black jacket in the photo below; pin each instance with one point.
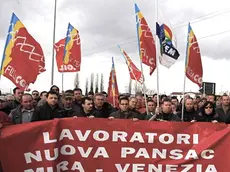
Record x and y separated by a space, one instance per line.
223 117
207 118
188 115
168 117
105 111
46 112
123 115
92 113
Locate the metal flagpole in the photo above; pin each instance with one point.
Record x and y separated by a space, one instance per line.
157 58
185 68
62 81
157 62
183 101
143 83
54 32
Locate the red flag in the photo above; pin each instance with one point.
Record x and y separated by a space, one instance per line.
113 92
59 47
23 58
146 43
194 70
134 72
72 49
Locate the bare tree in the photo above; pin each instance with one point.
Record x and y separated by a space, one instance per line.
76 81
96 83
102 83
92 82
137 88
86 86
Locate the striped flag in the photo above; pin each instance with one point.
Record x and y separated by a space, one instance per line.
113 92
193 63
72 50
134 72
23 59
146 43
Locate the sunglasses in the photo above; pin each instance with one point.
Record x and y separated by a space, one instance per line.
208 107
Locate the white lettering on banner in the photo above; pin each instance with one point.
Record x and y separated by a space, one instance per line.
167 168
65 150
62 166
48 157
15 77
68 67
165 154
195 77
101 135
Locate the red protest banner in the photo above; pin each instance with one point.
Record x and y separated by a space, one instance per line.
100 145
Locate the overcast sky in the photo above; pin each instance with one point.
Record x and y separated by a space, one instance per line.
103 24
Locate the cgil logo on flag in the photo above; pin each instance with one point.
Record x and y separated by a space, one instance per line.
23 58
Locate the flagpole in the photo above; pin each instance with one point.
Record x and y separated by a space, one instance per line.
183 101
185 68
54 32
62 81
157 58
143 84
157 62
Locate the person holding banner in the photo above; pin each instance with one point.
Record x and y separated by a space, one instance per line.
166 113
50 109
124 112
208 113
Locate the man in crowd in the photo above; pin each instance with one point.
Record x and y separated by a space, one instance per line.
140 106
189 111
50 109
91 94
211 98
35 95
102 107
68 110
166 114
175 101
151 110
24 112
123 112
43 97
17 98
87 109
77 99
224 110
132 107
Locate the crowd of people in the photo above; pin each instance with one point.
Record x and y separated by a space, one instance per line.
20 107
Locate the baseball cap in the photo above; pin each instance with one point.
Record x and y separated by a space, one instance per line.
68 95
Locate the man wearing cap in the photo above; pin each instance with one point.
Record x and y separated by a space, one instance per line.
68 110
